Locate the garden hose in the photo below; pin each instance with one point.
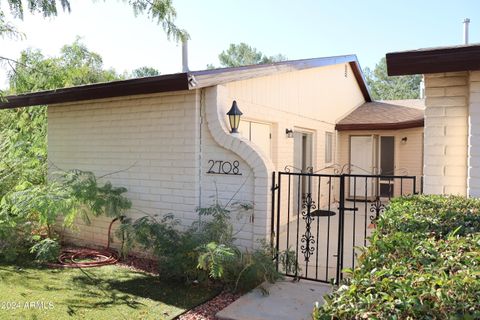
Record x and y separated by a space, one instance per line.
75 258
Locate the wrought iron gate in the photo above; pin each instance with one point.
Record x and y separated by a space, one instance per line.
320 221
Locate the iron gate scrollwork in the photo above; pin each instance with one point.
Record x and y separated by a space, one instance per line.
322 219
308 239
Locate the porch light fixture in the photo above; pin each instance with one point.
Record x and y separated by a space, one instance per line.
404 140
289 133
234 117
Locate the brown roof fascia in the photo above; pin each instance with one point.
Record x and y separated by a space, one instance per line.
362 83
165 83
381 126
178 82
435 60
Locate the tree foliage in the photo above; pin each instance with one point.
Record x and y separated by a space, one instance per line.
7 29
161 11
76 65
23 133
29 205
242 54
144 72
383 87
47 8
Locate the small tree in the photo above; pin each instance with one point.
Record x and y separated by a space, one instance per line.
383 87
242 54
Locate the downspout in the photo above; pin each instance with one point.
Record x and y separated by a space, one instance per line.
200 149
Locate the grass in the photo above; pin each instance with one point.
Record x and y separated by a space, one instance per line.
30 291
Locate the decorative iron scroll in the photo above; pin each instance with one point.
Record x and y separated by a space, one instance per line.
308 239
377 207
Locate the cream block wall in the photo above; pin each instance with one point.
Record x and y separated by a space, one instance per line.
216 104
227 189
159 147
148 144
310 100
473 183
446 133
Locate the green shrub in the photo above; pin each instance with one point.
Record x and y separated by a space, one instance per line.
175 250
15 238
215 258
31 210
206 250
46 250
423 263
431 216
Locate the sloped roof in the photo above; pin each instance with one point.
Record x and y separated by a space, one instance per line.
179 81
385 115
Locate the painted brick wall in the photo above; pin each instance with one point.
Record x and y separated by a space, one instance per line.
309 100
474 135
254 184
158 147
230 190
446 133
149 141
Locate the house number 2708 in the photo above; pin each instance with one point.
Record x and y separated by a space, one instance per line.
224 167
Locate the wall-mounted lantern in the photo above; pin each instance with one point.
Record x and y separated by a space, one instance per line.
234 117
289 133
404 140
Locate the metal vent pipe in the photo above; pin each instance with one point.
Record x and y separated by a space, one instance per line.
466 22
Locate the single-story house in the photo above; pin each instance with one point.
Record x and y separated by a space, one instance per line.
167 138
452 115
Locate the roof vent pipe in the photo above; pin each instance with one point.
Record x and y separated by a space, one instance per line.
185 56
465 30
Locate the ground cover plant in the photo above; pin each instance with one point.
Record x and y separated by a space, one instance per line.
423 263
30 291
205 251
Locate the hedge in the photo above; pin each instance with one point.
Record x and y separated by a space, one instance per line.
423 263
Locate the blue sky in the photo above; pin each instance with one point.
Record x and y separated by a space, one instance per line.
298 29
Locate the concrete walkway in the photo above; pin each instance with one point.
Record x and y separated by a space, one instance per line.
287 301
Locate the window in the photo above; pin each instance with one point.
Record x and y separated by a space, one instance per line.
328 147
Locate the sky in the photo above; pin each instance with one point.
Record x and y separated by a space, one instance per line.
297 29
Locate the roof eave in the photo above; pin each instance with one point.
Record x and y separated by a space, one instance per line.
380 126
165 83
435 60
178 82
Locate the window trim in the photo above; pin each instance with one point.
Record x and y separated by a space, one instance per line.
329 146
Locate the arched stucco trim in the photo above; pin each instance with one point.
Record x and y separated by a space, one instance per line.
216 100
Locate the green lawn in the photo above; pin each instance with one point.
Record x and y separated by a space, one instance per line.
28 291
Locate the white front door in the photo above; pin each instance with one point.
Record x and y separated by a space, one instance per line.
362 162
